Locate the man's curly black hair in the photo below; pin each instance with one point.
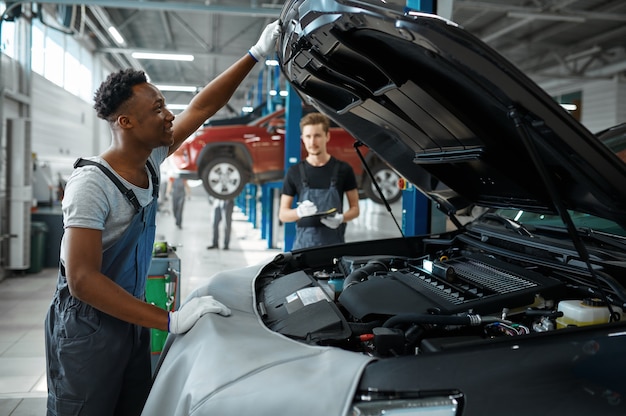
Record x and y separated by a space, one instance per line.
115 90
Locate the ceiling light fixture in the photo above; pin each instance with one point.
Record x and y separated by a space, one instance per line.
570 107
177 106
583 54
163 56
116 35
181 88
547 16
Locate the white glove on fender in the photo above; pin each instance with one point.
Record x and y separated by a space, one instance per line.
266 42
333 221
306 209
182 320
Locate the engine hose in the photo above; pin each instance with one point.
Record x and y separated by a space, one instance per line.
416 318
364 272
363 328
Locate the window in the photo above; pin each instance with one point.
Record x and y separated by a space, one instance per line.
8 38
61 59
37 50
53 62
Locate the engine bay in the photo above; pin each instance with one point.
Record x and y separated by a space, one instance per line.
453 296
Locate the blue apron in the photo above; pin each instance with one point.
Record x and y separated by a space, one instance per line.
98 364
310 232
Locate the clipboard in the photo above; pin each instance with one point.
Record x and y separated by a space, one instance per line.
324 213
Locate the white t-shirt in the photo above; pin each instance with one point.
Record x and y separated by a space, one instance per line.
91 200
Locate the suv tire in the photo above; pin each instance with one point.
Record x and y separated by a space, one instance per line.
387 180
224 178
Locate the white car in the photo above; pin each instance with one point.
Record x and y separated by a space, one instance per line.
517 312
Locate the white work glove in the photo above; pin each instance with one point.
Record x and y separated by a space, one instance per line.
333 221
306 209
267 41
182 320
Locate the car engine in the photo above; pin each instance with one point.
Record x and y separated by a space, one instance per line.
456 294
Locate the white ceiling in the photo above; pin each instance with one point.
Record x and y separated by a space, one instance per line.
547 39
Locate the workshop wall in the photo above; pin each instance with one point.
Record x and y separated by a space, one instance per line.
603 102
64 127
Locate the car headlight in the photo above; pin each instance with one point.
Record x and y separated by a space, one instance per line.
429 406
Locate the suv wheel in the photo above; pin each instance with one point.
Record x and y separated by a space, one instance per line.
387 180
224 178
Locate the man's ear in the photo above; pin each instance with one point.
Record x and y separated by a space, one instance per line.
124 121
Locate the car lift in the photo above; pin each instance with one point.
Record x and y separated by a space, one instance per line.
416 207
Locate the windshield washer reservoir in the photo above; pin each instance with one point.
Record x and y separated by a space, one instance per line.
583 312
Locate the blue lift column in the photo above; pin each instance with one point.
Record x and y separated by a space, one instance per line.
273 99
293 115
415 206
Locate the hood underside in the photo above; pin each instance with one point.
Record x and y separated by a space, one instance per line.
434 101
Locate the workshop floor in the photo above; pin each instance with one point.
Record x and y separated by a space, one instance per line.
24 298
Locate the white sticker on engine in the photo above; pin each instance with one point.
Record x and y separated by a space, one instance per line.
291 297
311 295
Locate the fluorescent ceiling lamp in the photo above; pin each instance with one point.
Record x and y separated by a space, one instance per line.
584 54
162 56
181 88
271 62
547 16
177 106
116 35
569 107
247 109
282 93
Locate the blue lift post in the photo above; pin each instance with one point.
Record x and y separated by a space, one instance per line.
267 189
293 113
267 210
292 151
415 206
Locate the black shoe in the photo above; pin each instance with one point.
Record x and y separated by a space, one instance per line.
225 248
212 247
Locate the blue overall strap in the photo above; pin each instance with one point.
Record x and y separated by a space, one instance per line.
303 178
155 179
128 193
333 178
335 174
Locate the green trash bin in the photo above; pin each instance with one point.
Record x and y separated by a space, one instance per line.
38 231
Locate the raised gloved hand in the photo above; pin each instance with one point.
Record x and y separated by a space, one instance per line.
306 209
332 221
266 42
182 320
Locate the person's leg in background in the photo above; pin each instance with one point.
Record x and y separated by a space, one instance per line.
178 202
229 205
217 218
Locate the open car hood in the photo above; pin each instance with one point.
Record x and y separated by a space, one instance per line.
429 97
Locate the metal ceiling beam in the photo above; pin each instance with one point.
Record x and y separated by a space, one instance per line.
537 12
197 54
103 19
170 6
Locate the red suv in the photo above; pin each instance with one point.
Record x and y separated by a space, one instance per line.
227 157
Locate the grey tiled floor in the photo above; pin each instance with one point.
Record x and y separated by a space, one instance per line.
24 299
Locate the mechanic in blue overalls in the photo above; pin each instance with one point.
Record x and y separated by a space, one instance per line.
97 327
319 182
